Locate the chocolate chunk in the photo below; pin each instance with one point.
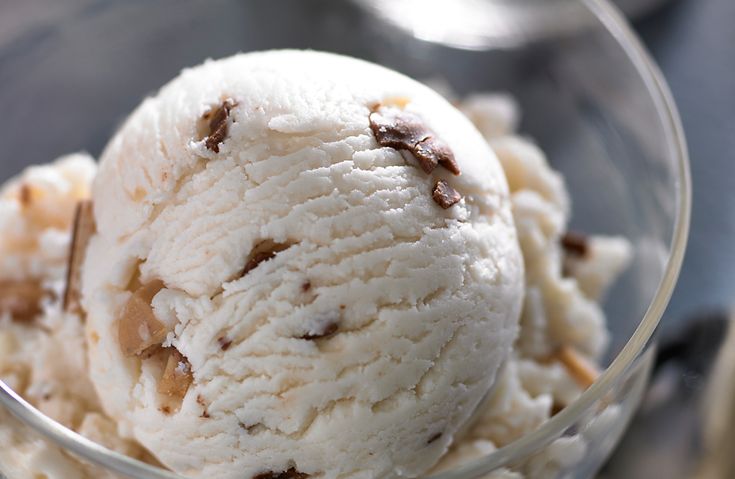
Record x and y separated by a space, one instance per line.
256 259
177 376
444 195
84 229
326 330
290 474
224 343
218 125
252 429
402 130
434 438
575 244
306 286
264 251
21 299
434 151
138 327
203 403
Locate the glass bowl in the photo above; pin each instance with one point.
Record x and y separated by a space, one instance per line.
590 96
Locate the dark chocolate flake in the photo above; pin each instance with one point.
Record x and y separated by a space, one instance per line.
327 330
444 195
218 125
252 429
405 131
263 251
224 343
256 259
83 229
290 474
436 152
397 129
203 403
575 244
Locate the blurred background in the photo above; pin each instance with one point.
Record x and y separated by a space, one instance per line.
692 41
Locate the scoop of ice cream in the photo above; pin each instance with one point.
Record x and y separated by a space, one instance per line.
42 347
36 210
290 278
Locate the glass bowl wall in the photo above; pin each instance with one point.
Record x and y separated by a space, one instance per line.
589 95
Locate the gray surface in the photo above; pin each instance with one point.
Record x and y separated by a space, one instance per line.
692 40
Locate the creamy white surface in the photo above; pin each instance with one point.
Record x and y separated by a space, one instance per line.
44 359
35 244
429 298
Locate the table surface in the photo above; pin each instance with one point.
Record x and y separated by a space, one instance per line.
692 40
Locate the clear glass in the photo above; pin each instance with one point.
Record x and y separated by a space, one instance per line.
589 93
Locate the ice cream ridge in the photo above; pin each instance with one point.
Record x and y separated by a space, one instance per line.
303 265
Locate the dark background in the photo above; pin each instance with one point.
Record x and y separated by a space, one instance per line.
693 42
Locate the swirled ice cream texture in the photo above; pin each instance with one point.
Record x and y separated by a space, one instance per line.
331 318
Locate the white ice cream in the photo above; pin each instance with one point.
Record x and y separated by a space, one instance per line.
43 358
425 301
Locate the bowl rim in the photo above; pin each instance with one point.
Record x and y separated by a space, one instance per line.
659 92
668 114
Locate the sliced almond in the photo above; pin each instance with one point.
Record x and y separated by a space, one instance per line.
138 327
21 299
581 369
84 229
177 377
